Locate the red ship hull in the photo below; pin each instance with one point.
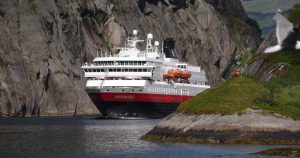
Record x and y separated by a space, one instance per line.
136 104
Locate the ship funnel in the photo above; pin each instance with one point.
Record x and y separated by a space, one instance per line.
134 32
149 36
169 48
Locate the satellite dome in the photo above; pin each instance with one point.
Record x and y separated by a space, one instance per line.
149 36
134 32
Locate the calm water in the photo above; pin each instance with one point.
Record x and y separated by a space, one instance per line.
82 137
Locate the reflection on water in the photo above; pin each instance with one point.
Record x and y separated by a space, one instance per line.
78 137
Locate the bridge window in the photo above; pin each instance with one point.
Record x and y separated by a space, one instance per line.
181 66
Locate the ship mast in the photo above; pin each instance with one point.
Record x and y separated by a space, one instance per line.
149 47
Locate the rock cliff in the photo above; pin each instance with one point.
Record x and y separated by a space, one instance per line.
252 127
44 43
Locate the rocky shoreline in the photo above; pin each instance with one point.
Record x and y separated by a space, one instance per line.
293 152
251 127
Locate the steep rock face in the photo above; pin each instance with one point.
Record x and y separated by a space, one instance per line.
204 31
233 8
255 65
263 66
270 40
44 43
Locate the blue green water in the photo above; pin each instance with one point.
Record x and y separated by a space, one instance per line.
95 138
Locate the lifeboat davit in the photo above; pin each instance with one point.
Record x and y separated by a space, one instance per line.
186 74
167 76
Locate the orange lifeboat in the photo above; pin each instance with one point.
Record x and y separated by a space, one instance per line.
176 73
186 74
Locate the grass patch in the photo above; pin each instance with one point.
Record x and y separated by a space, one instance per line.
233 96
279 95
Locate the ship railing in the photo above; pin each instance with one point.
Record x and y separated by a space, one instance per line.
88 64
125 64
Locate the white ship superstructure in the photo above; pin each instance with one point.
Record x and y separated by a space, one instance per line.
136 83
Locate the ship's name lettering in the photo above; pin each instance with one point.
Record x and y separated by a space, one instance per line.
124 96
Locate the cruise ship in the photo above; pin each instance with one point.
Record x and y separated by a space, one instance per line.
135 83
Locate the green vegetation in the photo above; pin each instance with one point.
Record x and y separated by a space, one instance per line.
294 15
239 26
233 96
295 152
279 95
284 89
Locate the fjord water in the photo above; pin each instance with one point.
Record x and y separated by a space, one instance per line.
88 138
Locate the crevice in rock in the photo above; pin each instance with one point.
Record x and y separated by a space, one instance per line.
76 106
38 75
23 110
99 16
33 112
218 63
64 15
8 108
46 84
49 27
142 5
165 3
155 2
2 13
193 2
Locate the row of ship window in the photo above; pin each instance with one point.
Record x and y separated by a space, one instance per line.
103 63
161 90
117 70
